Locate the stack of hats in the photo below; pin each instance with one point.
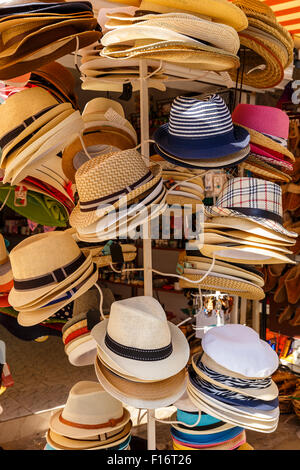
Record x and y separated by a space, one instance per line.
163 32
6 276
34 125
268 127
231 379
106 130
230 278
184 186
117 192
58 80
49 32
90 420
200 134
49 272
80 346
141 357
193 429
102 256
267 47
245 224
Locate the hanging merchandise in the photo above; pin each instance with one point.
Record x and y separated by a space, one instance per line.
141 356
45 284
118 184
211 310
266 47
106 130
6 276
200 134
90 420
50 32
231 379
102 256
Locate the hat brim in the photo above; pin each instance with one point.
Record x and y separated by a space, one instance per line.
224 162
147 370
163 395
229 445
83 354
192 148
217 239
80 433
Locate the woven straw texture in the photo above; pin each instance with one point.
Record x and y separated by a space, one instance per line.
229 286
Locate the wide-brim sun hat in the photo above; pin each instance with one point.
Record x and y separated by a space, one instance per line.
205 125
163 361
251 198
219 35
216 10
155 395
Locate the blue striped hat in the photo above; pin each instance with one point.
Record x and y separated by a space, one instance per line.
201 129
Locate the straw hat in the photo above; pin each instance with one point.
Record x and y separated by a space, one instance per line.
230 445
89 410
35 276
162 348
217 10
104 181
244 236
138 394
220 36
251 198
233 252
264 170
100 259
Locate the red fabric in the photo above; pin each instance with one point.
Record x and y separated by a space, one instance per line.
75 334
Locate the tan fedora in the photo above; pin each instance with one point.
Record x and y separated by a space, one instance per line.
217 239
219 35
218 10
116 84
129 254
34 276
267 393
89 410
93 442
142 395
244 235
108 180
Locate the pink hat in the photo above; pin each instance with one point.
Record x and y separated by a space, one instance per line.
268 128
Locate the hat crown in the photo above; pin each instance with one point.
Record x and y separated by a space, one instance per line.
194 118
43 253
264 119
101 106
139 322
109 173
88 403
251 193
3 251
239 348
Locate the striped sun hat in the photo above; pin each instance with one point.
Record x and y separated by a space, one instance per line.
201 130
254 199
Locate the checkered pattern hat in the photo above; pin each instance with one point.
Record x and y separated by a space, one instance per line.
254 199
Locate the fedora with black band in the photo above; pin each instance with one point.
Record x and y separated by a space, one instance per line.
138 338
201 129
254 199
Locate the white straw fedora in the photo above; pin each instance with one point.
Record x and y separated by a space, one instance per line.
89 410
140 340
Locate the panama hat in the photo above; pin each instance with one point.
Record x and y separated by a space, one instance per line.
93 442
248 355
218 11
221 36
245 236
33 276
229 445
46 54
160 353
254 199
105 180
101 259
115 83
206 126
138 394
205 367
268 128
89 410
184 404
262 169
32 317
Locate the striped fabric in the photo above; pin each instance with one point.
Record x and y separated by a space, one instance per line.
193 118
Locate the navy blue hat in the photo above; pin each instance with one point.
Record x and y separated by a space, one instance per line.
201 129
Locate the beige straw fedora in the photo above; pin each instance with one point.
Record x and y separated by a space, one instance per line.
219 35
142 395
267 393
116 84
57 264
129 254
244 235
263 170
217 10
97 441
105 181
89 410
158 353
217 239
